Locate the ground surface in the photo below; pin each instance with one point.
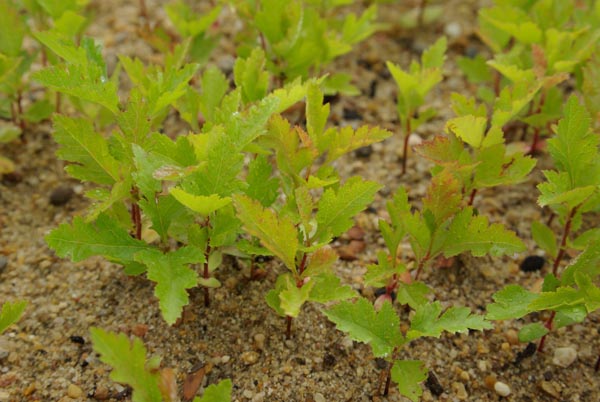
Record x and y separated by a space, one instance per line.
48 356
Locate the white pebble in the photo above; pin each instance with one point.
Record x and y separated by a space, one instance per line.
248 394
501 388
453 29
564 357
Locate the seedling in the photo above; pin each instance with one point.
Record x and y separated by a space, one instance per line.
413 86
571 190
162 207
149 382
300 38
315 208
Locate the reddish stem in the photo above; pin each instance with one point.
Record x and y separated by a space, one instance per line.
404 152
472 197
561 253
547 324
563 241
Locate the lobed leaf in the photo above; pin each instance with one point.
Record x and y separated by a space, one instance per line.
128 360
427 321
10 313
276 234
380 329
409 374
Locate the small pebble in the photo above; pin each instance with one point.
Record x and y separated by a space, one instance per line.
73 391
248 394
460 390
356 233
551 388
501 388
512 336
4 396
3 263
249 358
351 114
260 397
564 357
453 29
532 263
318 397
259 341
101 393
61 195
225 359
139 330
77 339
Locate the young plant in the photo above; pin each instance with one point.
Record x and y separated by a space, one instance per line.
550 40
10 313
315 206
474 151
300 37
413 86
149 382
162 207
379 324
570 191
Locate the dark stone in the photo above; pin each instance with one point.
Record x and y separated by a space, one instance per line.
12 178
532 263
77 339
380 363
61 195
373 89
525 353
351 114
433 384
471 52
548 376
329 360
364 152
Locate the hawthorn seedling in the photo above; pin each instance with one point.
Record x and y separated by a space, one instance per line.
570 190
413 86
316 206
149 382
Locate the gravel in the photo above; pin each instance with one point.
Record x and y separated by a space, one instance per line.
239 335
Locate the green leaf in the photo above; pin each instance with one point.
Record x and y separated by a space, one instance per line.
129 363
316 112
511 302
39 111
163 212
105 237
427 321
470 129
336 209
86 82
544 238
173 277
409 374
380 329
327 288
434 56
9 132
214 86
414 294
287 298
261 186
476 69
202 204
250 75
220 392
10 313
575 146
12 29
340 141
557 189
474 234
588 263
87 149
276 234
531 332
